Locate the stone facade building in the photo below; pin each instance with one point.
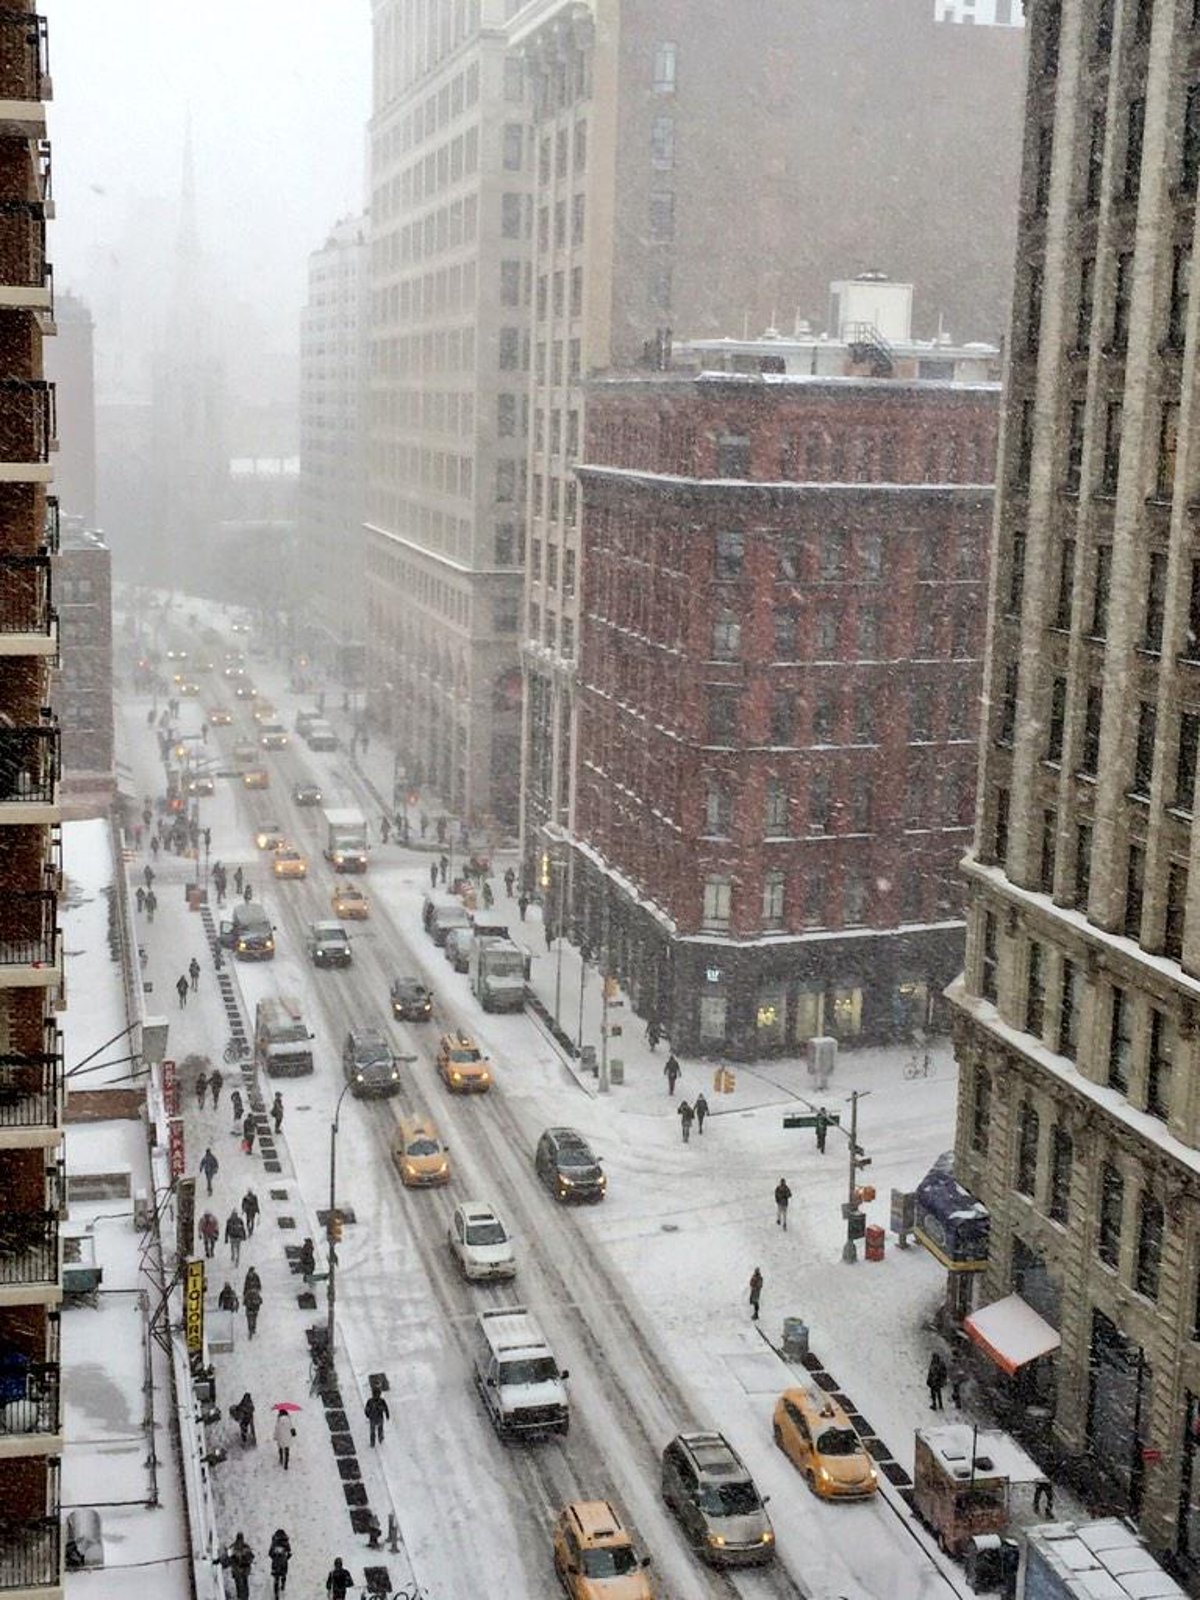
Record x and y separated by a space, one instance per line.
83 685
780 655
1076 1021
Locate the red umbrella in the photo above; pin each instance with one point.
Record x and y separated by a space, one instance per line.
286 1405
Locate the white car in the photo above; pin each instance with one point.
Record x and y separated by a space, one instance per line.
480 1242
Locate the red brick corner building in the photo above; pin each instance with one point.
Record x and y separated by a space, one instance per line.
784 569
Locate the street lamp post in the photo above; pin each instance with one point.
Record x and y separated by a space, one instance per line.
331 1225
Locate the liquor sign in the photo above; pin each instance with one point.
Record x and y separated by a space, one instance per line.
193 1306
175 1151
170 1089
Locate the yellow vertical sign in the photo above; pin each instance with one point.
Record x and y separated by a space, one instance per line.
193 1306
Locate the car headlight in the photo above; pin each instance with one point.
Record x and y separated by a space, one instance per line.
567 1183
395 1075
768 1537
457 1076
358 1077
716 1540
443 1166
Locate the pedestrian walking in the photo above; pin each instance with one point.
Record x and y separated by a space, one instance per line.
510 878
151 904
228 1300
385 828
243 1414
821 1128
756 1287
377 1413
424 823
935 1380
235 1235
433 874
443 867
181 989
241 1559
140 897
252 1300
251 1281
249 1129
957 1373
148 875
440 830
238 878
783 1194
285 1434
207 840
155 846
339 1582
250 1211
236 1106
522 904
214 1083
277 1113
307 1260
1043 1498
209 1166
210 1232
279 1555
194 972
489 899
671 1073
685 1120
248 893
653 1033
701 1110
201 1090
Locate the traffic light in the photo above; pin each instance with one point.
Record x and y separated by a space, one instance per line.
864 1195
335 1227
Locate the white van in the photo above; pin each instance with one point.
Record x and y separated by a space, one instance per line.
518 1376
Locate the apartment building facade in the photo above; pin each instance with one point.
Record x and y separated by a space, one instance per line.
680 182
330 564
781 635
31 1066
82 688
447 407
1076 1020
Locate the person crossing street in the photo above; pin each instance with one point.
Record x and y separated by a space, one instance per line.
783 1195
377 1413
701 1110
686 1115
194 973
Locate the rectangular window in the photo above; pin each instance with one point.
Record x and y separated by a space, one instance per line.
718 893
867 633
1016 575
1095 161
514 146
1028 1130
1135 888
1035 993
981 1110
825 635
1089 755
776 818
773 887
718 811
989 966
724 708
1068 1010
920 714
1000 832
1112 1202
1085 302
1181 284
730 554
1062 1159
1074 462
1168 435
576 299
819 807
1161 1065
1185 761
854 900
1135 127
1058 718
1044 154
1122 293
832 560
1101 591
824 719
665 68
1008 705
662 143
1023 454
578 216
510 216
783 718
784 620
860 809
1143 753
864 717
1120 1041
733 456
1033 309
1083 864
1103 37
1189 156
1177 891
1110 467
1049 851
1156 600
662 215
1066 585
1149 1247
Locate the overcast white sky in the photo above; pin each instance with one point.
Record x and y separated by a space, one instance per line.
279 95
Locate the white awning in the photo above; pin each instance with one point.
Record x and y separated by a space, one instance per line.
1011 1332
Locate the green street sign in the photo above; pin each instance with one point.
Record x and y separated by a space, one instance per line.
811 1119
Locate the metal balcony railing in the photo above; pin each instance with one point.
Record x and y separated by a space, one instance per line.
51 532
27 419
23 244
28 1247
30 1553
28 929
24 55
30 764
52 861
29 1394
45 175
25 595
31 1090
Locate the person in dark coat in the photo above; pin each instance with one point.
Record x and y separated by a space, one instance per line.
238 879
385 828
209 1166
140 897
821 1129
252 1299
194 972
686 1115
228 1300
210 1232
307 1261
235 1235
249 1129
250 1210
783 1195
433 874
237 1107
279 1555
701 1110
148 875
935 1380
277 1113
241 1559
181 989
215 1082
151 904
510 878
671 1073
243 1414
201 1090
377 1413
653 1033
339 1582
522 904
756 1288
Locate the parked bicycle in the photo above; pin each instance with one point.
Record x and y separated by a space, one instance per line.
237 1049
919 1067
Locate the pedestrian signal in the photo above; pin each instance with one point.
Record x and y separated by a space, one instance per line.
335 1227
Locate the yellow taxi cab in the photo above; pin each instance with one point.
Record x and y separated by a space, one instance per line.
289 863
350 903
594 1555
462 1064
256 778
219 717
419 1154
818 1437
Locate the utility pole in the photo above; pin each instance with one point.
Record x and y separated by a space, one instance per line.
851 1210
333 1226
603 1080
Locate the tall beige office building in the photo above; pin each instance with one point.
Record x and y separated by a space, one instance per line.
1076 1026
684 180
447 376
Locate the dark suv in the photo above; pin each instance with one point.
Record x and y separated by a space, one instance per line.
368 1063
566 1165
411 1000
706 1484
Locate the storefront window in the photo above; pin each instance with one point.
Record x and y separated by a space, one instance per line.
847 1012
712 1018
810 1014
771 1015
910 1005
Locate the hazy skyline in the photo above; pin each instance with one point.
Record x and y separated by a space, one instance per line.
278 92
